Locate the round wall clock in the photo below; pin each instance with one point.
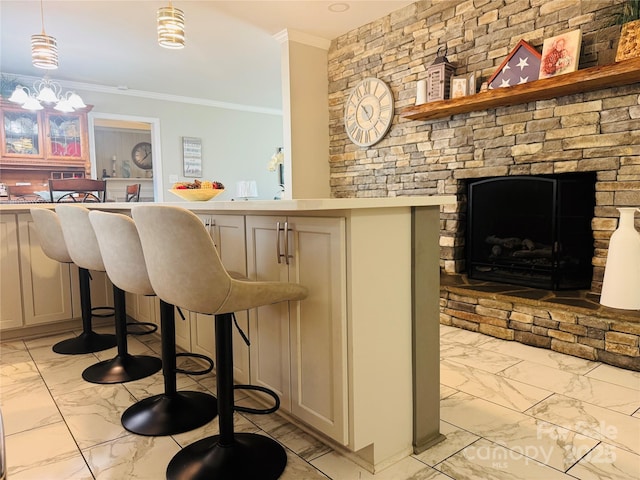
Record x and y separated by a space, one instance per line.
368 112
141 155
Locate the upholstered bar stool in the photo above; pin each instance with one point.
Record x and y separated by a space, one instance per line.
84 250
171 412
53 245
185 270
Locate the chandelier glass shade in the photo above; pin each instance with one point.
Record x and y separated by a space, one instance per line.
170 27
48 92
44 48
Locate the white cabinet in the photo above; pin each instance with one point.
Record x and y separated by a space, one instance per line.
228 234
10 295
299 349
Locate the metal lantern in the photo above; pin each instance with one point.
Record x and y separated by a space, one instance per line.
439 77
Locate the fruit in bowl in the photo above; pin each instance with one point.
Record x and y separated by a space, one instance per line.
198 191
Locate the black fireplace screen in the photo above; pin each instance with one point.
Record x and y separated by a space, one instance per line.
532 230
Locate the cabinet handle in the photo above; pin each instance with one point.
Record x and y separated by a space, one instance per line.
278 254
286 243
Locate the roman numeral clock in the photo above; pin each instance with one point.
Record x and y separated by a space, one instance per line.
368 112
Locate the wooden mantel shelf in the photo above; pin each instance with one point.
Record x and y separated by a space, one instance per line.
594 78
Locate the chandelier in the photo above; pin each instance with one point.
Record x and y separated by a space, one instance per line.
170 27
44 48
48 92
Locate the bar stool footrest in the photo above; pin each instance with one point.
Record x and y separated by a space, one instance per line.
258 411
195 372
152 328
103 312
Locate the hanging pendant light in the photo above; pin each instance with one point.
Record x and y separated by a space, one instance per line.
44 48
170 27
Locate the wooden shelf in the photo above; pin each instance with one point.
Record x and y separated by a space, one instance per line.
594 78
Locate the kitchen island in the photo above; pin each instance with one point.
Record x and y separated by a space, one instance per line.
357 362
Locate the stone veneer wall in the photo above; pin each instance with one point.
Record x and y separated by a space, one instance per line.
596 131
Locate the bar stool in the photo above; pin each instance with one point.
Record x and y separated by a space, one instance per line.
171 412
84 250
185 270
53 245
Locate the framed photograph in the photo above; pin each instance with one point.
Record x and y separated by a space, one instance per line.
560 54
192 156
459 86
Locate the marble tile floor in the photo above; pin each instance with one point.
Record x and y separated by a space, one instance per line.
509 411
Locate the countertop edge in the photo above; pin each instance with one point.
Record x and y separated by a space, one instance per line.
301 205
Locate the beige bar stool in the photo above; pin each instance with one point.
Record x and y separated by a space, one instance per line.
171 412
185 270
54 246
84 250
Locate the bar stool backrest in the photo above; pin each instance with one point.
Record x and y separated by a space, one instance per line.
79 236
121 252
50 234
183 264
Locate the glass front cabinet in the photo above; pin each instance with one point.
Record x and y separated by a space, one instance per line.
45 137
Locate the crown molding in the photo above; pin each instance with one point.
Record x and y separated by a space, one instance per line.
91 87
288 35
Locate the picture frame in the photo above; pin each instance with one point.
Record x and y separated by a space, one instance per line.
560 54
471 83
191 157
459 86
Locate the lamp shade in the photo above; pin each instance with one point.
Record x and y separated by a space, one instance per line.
171 27
44 51
621 283
19 95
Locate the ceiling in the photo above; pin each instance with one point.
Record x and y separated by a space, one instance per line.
231 55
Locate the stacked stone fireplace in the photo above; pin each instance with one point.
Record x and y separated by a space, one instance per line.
594 133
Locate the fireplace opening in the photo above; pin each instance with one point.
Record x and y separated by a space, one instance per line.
533 231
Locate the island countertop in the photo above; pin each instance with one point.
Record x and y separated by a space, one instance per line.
298 205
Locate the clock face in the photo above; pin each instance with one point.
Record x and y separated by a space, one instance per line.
141 155
368 112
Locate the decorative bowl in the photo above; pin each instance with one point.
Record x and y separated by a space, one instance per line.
197 194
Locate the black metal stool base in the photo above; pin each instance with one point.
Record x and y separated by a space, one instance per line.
85 343
249 457
170 414
122 368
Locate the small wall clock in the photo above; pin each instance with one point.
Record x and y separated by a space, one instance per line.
368 112
141 155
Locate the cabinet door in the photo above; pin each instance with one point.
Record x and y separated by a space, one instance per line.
269 324
46 283
65 136
21 134
318 325
227 232
10 296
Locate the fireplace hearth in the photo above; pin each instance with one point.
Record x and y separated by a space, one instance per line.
532 231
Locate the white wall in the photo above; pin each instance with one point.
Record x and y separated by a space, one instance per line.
236 145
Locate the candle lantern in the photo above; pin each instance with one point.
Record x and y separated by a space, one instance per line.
439 77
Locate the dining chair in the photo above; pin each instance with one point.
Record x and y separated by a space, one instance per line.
133 192
77 190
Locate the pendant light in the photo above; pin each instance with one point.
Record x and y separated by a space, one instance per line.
170 27
44 48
